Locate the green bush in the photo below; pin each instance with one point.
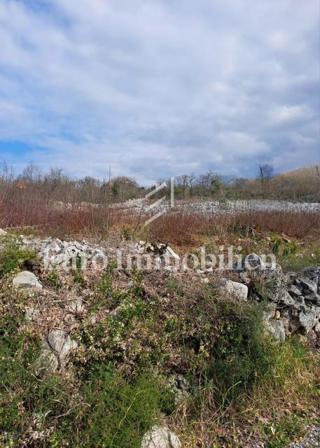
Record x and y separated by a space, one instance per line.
26 400
53 279
13 255
119 411
99 409
241 354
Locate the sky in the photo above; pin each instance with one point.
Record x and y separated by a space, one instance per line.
159 88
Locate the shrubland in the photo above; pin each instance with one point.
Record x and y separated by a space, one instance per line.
159 349
153 348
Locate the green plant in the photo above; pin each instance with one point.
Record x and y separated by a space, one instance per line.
53 279
99 408
301 260
26 401
104 285
13 255
127 232
283 247
282 433
77 271
240 355
120 411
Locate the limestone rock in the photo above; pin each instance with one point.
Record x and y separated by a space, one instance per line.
47 361
308 320
294 291
236 289
60 342
253 262
160 437
308 286
276 329
75 307
26 279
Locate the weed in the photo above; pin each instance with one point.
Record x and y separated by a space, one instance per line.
101 409
13 255
127 232
281 433
104 285
53 279
120 411
78 272
240 355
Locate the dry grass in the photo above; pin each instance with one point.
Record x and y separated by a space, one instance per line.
57 219
185 229
21 208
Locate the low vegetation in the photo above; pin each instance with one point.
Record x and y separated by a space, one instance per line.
134 343
56 204
152 348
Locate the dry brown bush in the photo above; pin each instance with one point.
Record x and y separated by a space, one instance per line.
182 229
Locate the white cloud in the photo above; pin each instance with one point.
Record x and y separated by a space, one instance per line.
285 114
179 86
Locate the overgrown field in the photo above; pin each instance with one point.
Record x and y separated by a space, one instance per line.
155 348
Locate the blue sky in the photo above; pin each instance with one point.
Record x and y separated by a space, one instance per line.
154 88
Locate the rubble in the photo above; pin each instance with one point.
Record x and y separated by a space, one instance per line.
57 253
295 296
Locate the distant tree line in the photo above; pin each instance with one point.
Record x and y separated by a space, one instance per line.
57 186
302 185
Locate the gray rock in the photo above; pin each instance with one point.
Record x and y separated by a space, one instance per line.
294 291
253 262
317 329
47 361
236 289
270 312
313 298
290 277
287 300
311 440
26 279
75 307
245 278
160 437
276 328
273 282
180 387
60 343
172 253
313 274
3 232
308 320
31 313
308 286
298 304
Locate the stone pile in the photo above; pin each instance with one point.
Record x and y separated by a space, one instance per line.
293 299
55 252
221 207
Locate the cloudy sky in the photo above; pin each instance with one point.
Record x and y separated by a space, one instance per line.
154 88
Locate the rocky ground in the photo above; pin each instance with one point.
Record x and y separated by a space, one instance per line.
312 440
293 298
59 303
210 207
